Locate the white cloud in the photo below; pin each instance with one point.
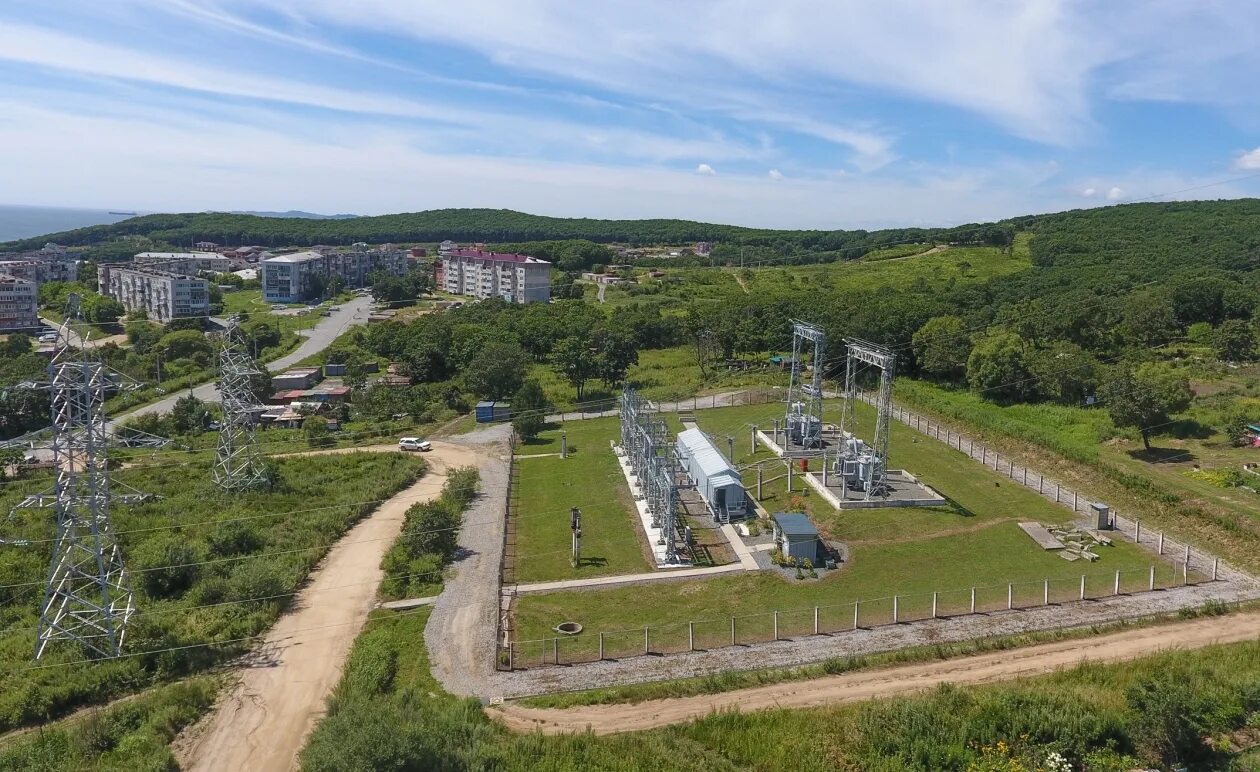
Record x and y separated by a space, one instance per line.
1249 161
1089 192
1115 194
775 174
705 169
1026 66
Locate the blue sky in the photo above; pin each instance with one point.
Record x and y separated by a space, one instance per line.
791 114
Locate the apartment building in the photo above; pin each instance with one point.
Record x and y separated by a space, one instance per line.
515 278
19 304
292 278
184 262
41 265
163 295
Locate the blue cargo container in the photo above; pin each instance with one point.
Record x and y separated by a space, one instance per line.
488 412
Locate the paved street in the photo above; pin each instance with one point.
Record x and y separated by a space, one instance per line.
317 339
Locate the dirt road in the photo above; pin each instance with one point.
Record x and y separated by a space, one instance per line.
261 722
889 682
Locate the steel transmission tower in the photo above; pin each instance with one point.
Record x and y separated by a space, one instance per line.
87 598
238 465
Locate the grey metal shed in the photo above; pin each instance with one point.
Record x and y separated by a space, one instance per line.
716 480
796 536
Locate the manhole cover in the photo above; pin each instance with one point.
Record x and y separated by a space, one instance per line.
568 628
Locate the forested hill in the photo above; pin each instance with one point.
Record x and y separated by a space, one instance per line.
487 225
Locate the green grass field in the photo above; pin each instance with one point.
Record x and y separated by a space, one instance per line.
590 479
973 541
1082 446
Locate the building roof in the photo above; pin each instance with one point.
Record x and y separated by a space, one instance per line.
712 463
179 256
794 524
502 257
296 257
295 372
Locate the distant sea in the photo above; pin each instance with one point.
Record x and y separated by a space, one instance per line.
21 222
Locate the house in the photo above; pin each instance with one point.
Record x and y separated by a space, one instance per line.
718 482
703 248
296 277
206 246
796 536
162 294
419 252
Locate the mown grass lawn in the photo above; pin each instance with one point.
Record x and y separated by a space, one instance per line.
589 479
973 541
1083 444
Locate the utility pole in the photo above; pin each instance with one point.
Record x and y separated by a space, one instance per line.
238 465
575 524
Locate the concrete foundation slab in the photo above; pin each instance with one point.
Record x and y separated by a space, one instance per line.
645 518
905 490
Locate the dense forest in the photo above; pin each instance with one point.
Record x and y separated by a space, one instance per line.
485 225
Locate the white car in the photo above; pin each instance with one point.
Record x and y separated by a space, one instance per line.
414 443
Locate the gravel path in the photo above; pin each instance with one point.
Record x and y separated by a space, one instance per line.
800 650
460 634
884 682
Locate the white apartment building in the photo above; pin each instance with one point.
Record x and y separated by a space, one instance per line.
288 278
19 304
515 278
164 295
184 262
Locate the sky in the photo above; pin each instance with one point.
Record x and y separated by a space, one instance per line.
826 114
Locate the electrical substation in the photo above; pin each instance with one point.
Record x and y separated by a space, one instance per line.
652 470
856 474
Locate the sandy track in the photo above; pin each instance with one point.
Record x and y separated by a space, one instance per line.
889 682
261 722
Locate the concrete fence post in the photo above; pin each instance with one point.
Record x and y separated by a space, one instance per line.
1082 586
973 600
789 475
1045 593
1012 472
691 636
555 651
1137 531
1010 596
1025 475
857 610
1074 507
1117 589
1185 572
1151 584
511 655
1161 543
815 620
730 448
824 469
752 440
984 455
759 482
776 625
934 598
601 647
732 631
1216 564
1041 483
1187 554
647 639
895 616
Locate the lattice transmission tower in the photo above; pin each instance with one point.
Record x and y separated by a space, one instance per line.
87 597
238 465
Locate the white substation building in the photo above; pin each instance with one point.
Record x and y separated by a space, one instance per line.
718 483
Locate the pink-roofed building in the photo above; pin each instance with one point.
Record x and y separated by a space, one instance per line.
479 274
